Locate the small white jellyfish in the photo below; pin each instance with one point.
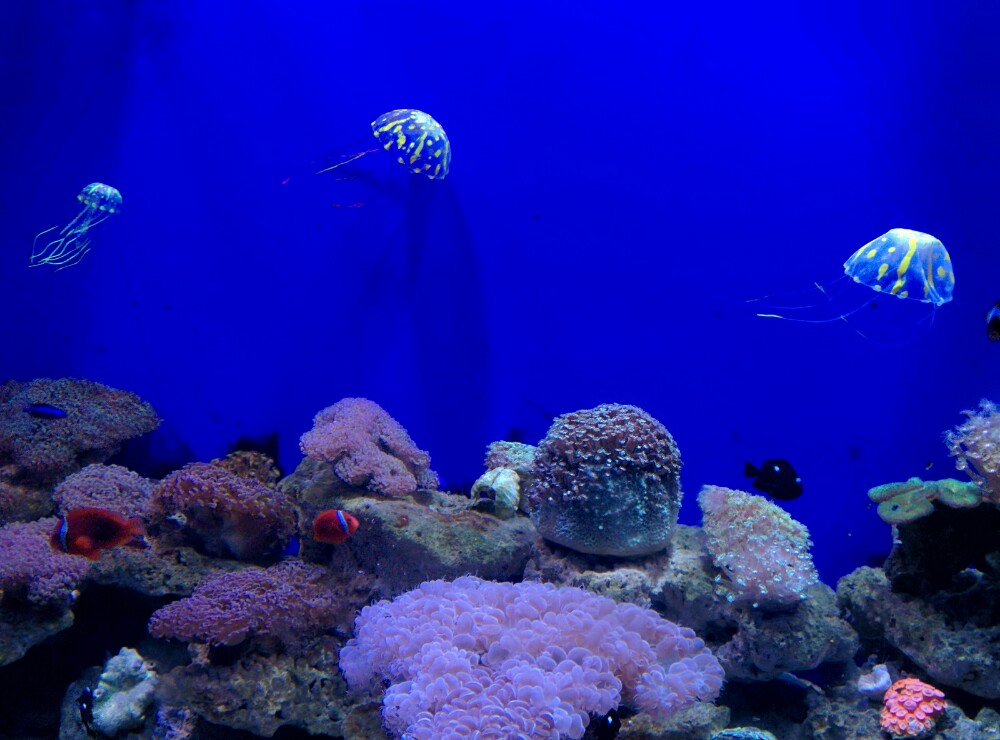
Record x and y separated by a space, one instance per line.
100 202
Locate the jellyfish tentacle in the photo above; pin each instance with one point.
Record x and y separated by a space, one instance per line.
350 159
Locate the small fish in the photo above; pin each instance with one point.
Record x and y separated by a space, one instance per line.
85 703
993 322
334 526
776 478
88 532
44 411
606 727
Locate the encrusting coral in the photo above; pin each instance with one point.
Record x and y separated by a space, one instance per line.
911 708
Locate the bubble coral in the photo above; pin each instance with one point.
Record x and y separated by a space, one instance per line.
98 419
911 707
975 446
499 659
291 601
606 481
32 572
222 513
762 552
368 448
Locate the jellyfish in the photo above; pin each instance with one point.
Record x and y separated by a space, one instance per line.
100 202
421 145
414 137
908 264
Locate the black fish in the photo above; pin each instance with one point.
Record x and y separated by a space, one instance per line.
606 727
776 478
993 322
44 411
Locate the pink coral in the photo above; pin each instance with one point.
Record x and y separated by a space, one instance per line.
473 657
33 572
110 487
762 552
368 448
911 707
290 601
98 419
976 448
222 513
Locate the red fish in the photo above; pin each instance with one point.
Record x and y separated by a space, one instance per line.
89 531
334 526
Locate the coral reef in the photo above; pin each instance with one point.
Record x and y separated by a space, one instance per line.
911 707
97 420
109 487
124 693
368 449
406 541
762 553
899 503
291 602
606 481
952 643
975 445
221 513
751 644
474 655
255 466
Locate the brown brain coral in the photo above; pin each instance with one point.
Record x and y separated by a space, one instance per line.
607 482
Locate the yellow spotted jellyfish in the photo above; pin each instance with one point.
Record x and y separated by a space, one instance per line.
415 138
100 202
902 262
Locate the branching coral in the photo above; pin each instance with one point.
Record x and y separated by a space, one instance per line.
606 481
97 420
222 513
526 660
976 448
291 601
368 448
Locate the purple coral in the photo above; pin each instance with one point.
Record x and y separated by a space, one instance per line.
109 487
222 513
762 552
98 419
526 659
291 601
606 481
368 448
32 571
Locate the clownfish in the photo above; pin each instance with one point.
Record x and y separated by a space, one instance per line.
334 526
89 531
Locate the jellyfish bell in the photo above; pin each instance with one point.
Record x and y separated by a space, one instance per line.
413 138
904 264
100 202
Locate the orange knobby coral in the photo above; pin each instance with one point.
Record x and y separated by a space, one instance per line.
911 707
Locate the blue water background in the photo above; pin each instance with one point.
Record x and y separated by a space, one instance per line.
624 176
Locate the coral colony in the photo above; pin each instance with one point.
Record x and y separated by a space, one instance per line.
561 599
